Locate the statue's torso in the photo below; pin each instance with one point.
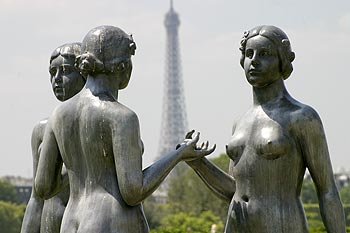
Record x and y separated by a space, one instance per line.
268 169
95 203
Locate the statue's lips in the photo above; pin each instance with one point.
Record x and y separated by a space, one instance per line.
254 72
58 88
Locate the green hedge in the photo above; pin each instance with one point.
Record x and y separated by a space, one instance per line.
189 222
315 221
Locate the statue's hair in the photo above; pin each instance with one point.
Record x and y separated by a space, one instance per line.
69 50
279 39
106 49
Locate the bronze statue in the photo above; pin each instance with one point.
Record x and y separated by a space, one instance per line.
98 140
272 145
45 216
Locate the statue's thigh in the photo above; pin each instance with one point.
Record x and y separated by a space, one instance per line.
69 224
98 223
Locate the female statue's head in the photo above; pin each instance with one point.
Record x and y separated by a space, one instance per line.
281 42
66 79
107 50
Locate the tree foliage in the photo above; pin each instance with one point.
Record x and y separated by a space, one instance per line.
155 212
189 222
188 193
314 218
345 194
309 195
11 216
188 196
8 192
308 192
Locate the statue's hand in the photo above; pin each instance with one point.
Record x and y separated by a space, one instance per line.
189 149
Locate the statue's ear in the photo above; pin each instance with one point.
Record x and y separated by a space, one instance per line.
76 63
125 77
292 56
132 48
132 45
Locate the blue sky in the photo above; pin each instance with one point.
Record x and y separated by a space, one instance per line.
215 87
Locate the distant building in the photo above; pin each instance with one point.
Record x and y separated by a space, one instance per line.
342 179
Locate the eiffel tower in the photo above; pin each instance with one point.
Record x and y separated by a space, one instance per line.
174 117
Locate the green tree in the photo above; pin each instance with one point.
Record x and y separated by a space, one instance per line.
155 212
188 193
345 194
11 216
308 192
8 192
315 221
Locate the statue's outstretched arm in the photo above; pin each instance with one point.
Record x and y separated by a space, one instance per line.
221 183
218 181
136 184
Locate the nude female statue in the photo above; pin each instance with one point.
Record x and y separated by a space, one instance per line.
45 216
98 140
271 146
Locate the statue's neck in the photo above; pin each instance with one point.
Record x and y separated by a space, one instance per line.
103 85
270 93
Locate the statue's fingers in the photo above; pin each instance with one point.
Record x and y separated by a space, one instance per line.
206 144
196 138
205 152
189 134
211 150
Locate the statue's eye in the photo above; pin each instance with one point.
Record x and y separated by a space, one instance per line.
264 53
53 71
249 53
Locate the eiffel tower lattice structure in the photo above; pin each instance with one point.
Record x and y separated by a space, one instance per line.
174 117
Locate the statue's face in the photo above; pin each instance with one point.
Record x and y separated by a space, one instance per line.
66 80
261 62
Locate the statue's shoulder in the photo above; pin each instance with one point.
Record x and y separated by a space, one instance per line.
39 127
305 112
305 115
42 123
125 115
66 108
124 111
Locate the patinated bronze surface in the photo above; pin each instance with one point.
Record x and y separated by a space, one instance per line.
46 215
272 145
98 140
